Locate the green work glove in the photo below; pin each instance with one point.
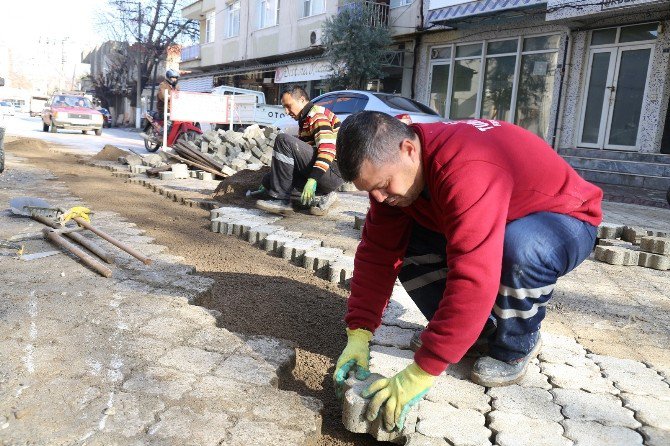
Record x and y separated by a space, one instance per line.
398 395
355 357
308 192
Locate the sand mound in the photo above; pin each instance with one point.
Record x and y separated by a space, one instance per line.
110 153
232 190
26 143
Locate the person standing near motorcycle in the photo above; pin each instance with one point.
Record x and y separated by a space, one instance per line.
169 84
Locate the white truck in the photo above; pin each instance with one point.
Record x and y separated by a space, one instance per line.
249 107
37 104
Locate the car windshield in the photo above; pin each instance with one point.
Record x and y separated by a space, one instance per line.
71 101
405 104
343 104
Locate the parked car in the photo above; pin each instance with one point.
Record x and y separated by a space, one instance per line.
344 103
106 116
71 112
6 108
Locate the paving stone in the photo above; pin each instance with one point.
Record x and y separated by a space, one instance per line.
655 437
618 243
458 426
191 359
554 355
649 410
278 352
180 171
590 433
639 382
655 245
512 429
462 394
166 328
167 383
167 175
612 363
294 250
359 220
402 311
616 256
259 233
531 402
603 408
227 171
654 261
608 230
633 234
535 378
569 377
205 176
388 361
241 227
129 414
234 211
262 433
319 259
417 439
273 242
182 425
247 369
218 340
341 270
392 336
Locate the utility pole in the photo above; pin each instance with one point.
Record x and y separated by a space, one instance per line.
138 108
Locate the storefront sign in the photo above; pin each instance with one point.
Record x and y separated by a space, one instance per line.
614 4
303 72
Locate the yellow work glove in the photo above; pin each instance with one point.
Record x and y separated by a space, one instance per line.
308 192
77 211
398 395
355 357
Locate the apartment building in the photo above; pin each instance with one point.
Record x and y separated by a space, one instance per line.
265 44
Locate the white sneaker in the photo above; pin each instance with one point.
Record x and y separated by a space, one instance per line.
275 206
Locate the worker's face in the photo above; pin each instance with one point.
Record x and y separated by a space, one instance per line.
396 183
293 106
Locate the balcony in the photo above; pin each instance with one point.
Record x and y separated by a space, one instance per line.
378 13
190 53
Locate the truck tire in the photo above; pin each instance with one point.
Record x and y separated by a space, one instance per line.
98 132
2 149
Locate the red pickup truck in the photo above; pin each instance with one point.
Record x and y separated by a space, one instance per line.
71 112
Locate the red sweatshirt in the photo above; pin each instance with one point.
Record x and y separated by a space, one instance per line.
479 175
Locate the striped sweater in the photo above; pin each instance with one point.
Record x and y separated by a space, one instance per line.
318 128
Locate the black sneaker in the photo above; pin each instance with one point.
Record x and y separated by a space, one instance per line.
491 372
321 205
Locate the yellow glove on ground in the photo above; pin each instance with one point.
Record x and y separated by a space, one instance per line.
398 395
355 356
77 211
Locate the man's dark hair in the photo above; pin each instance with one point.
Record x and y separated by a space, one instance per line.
369 135
296 91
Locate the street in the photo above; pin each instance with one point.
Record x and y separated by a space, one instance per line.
26 126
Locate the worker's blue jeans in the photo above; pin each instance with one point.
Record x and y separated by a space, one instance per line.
538 249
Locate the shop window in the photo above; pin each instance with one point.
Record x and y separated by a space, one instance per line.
465 89
313 7
399 3
233 13
498 86
209 27
438 88
536 86
639 33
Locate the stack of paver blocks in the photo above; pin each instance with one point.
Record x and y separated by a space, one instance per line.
259 228
630 246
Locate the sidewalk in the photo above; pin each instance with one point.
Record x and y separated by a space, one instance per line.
131 359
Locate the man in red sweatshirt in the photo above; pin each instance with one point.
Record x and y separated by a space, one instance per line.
478 219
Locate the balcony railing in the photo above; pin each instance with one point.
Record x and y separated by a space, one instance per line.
190 53
378 13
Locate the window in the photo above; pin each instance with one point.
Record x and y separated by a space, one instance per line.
313 7
233 11
268 13
209 27
404 104
399 3
510 80
625 34
343 104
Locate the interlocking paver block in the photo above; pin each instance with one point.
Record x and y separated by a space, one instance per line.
633 234
319 259
417 439
535 378
258 233
519 430
273 242
649 410
608 230
460 393
402 311
458 426
170 384
618 243
388 361
531 402
166 175
569 377
392 336
655 245
590 433
190 359
241 227
341 270
185 425
600 407
655 437
639 382
247 369
616 256
654 261
294 250
555 355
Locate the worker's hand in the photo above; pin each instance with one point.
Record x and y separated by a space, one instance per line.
77 211
308 192
398 395
355 357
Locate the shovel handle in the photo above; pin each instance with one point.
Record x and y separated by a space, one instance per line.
87 259
138 255
79 238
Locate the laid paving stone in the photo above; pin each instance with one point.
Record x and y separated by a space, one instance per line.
609 230
242 227
248 369
612 363
234 211
654 261
402 311
392 336
388 361
278 352
462 394
569 377
259 233
190 359
535 378
168 383
618 243
273 242
600 407
164 176
319 259
216 340
655 437
417 439
294 250
184 425
512 429
649 410
639 382
617 256
341 270
655 245
458 426
262 433
531 402
554 355
590 433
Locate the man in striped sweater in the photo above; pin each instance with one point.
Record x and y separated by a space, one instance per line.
306 163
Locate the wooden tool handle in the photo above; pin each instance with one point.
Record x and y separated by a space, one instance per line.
113 241
88 260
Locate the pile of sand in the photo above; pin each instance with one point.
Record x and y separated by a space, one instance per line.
232 190
110 153
26 144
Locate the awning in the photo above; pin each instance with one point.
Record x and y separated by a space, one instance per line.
202 84
303 72
445 11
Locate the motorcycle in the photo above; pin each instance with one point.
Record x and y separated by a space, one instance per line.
180 131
